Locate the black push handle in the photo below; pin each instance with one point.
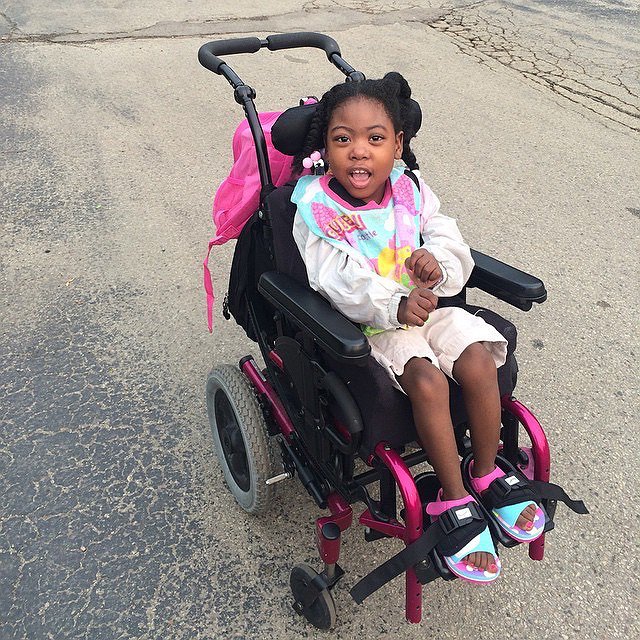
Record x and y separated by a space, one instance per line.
303 39
244 94
209 52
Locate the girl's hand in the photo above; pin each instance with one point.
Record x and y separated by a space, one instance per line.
414 310
423 269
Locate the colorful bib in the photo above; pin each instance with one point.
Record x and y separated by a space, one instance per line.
386 234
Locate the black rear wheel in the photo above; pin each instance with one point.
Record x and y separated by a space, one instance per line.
240 437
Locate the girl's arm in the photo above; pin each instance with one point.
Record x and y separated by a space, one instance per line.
347 280
443 240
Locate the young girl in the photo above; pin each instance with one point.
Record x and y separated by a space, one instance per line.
376 245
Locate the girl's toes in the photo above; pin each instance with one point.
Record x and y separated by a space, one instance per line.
525 520
474 560
481 561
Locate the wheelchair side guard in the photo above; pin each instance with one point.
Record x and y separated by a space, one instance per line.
309 377
293 460
310 311
506 282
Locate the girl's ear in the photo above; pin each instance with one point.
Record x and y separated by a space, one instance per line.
399 144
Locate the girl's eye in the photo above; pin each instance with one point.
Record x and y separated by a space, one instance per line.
376 137
341 139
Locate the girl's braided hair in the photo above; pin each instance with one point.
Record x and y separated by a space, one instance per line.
392 92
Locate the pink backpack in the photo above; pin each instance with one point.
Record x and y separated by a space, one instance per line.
238 196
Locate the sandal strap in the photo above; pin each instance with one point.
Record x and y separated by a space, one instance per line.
511 488
500 489
461 521
550 491
460 525
439 505
481 483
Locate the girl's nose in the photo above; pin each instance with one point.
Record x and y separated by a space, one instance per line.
359 151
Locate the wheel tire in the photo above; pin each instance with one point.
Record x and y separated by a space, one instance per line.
320 608
240 437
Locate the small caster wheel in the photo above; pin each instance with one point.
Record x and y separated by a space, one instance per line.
312 598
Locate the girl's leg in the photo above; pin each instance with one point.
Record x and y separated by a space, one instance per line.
428 391
475 371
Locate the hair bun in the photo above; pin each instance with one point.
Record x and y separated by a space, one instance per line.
397 79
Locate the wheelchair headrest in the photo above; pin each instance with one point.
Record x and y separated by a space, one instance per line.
290 129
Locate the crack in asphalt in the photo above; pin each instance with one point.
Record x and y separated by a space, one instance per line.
599 89
559 66
13 25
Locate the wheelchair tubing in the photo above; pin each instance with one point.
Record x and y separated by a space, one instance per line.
540 451
413 523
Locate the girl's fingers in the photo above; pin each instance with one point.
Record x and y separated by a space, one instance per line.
415 311
434 275
416 320
428 295
422 267
425 303
429 271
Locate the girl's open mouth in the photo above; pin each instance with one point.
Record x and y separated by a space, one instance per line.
359 178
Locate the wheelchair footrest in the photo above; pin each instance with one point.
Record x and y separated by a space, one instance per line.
414 554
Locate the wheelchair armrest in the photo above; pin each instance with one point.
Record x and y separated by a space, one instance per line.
312 313
506 282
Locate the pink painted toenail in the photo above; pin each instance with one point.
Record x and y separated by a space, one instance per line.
528 526
493 568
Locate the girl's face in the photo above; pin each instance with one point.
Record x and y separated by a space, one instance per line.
361 147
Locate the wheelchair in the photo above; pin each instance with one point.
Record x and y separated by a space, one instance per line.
322 409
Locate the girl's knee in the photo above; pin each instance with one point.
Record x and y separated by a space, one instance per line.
475 364
422 379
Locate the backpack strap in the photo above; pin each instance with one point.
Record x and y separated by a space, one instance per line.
208 283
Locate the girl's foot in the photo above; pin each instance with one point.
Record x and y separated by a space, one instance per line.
477 560
524 521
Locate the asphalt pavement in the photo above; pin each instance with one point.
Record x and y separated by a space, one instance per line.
114 520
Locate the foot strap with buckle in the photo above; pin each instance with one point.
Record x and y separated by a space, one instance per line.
514 488
453 529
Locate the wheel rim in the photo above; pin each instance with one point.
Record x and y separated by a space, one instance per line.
233 447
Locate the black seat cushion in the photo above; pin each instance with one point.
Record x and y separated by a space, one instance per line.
386 412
